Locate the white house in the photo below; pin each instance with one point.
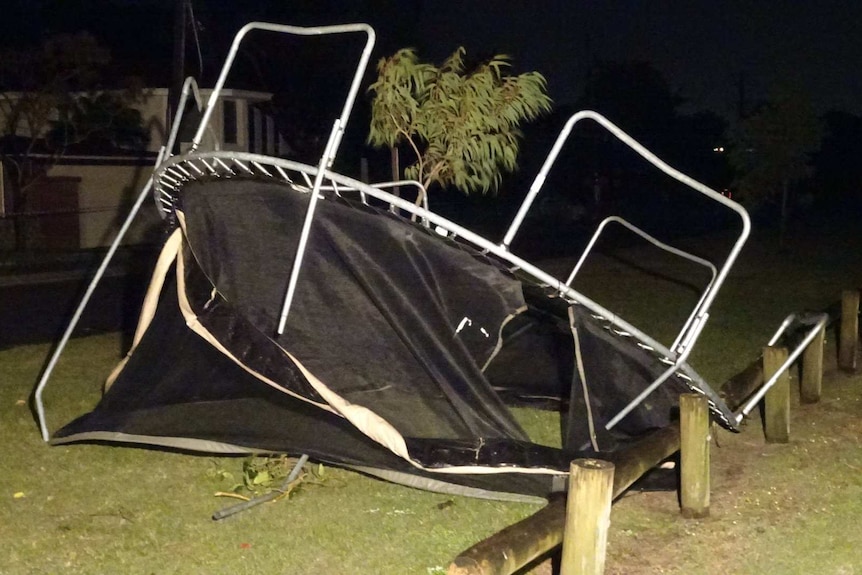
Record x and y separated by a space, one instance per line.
89 214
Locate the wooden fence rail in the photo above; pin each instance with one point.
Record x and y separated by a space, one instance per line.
522 543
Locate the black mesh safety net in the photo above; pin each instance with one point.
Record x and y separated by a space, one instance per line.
403 351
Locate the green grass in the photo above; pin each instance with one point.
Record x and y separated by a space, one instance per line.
107 509
775 508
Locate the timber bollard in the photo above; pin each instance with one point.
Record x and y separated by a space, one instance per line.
849 337
694 455
812 369
517 545
776 403
588 516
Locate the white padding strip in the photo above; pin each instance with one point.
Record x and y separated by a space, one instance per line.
151 300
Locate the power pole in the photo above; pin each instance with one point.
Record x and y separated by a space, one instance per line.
178 62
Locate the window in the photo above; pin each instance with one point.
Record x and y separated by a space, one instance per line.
255 130
229 124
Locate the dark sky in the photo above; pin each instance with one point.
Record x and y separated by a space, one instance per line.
702 47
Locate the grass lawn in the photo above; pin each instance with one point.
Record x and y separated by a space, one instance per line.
778 509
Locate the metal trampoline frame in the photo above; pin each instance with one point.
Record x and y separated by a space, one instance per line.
173 172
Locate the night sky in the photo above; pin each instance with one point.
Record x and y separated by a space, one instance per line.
703 48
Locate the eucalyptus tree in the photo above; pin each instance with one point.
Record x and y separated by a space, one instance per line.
460 123
772 151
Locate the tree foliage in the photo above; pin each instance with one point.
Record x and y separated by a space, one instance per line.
837 169
773 147
53 97
37 83
632 94
461 124
772 151
103 120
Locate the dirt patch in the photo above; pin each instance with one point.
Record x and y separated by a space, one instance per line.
775 508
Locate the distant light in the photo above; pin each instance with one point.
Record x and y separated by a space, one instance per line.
718 150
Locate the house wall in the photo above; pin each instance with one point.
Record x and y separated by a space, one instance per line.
153 105
110 185
153 108
106 195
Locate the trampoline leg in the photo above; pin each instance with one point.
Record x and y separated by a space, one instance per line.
55 356
255 501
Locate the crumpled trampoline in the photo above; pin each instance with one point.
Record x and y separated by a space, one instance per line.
297 310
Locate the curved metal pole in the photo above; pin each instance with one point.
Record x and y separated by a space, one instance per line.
300 31
700 314
755 399
190 86
658 243
46 374
661 245
335 135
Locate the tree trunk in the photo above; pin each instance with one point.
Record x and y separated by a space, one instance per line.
19 207
782 230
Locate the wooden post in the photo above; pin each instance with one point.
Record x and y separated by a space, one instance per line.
849 337
776 403
694 455
517 545
588 516
812 369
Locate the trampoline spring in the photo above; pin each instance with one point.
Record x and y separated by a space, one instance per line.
175 172
174 182
224 166
263 170
170 187
181 169
283 175
210 169
308 181
195 168
241 165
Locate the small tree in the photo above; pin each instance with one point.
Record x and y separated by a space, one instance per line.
52 98
35 87
460 124
102 120
772 151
